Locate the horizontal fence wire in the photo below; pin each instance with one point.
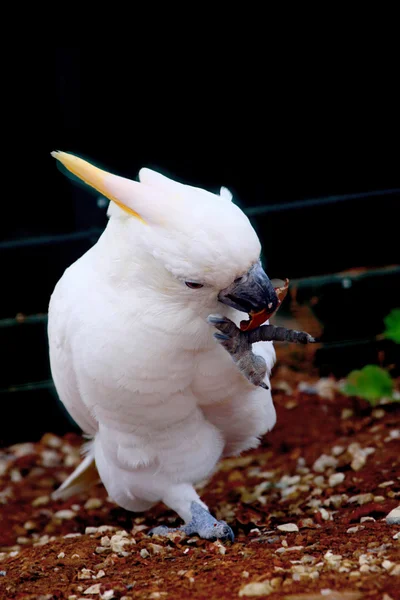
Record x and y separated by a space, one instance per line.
304 283
251 212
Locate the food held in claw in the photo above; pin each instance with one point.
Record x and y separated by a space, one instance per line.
258 318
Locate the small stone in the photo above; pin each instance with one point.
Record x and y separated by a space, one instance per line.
93 503
361 499
85 574
365 568
393 518
378 413
70 460
245 574
50 458
90 530
107 595
93 589
156 548
397 536
396 570
288 527
65 514
105 528
323 462
307 523
338 450
144 553
41 501
347 413
385 484
355 529
100 574
257 588
3 573
105 541
61 555
335 479
324 514
29 525
387 565
15 475
358 462
50 440
364 519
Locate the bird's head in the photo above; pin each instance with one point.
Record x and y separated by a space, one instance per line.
202 245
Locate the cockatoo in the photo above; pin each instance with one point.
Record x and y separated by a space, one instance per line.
133 349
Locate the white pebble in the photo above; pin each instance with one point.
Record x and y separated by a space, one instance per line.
338 450
393 518
90 530
257 588
323 462
50 458
93 503
335 479
289 527
65 514
41 501
355 529
93 589
361 498
85 574
144 553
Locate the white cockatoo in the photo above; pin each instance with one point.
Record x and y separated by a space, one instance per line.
132 350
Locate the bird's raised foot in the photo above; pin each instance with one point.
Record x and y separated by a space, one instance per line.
202 524
237 343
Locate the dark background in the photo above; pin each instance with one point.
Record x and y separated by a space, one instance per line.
275 134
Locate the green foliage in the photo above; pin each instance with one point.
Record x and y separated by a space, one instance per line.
371 383
392 322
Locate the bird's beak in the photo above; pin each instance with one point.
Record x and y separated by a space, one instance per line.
252 293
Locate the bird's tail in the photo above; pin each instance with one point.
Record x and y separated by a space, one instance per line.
83 478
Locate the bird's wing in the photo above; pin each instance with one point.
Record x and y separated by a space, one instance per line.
61 360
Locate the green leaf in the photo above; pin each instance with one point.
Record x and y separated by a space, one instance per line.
371 383
392 322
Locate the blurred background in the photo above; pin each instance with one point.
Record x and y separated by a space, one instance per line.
312 158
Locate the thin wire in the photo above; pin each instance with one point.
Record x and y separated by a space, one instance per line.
298 204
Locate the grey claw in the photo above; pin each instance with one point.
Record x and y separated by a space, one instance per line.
221 336
228 534
264 385
216 319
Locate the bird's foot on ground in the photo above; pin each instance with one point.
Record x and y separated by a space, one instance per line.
237 344
202 524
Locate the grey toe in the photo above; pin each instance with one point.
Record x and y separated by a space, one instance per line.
216 319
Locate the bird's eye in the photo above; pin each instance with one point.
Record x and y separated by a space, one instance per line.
193 286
